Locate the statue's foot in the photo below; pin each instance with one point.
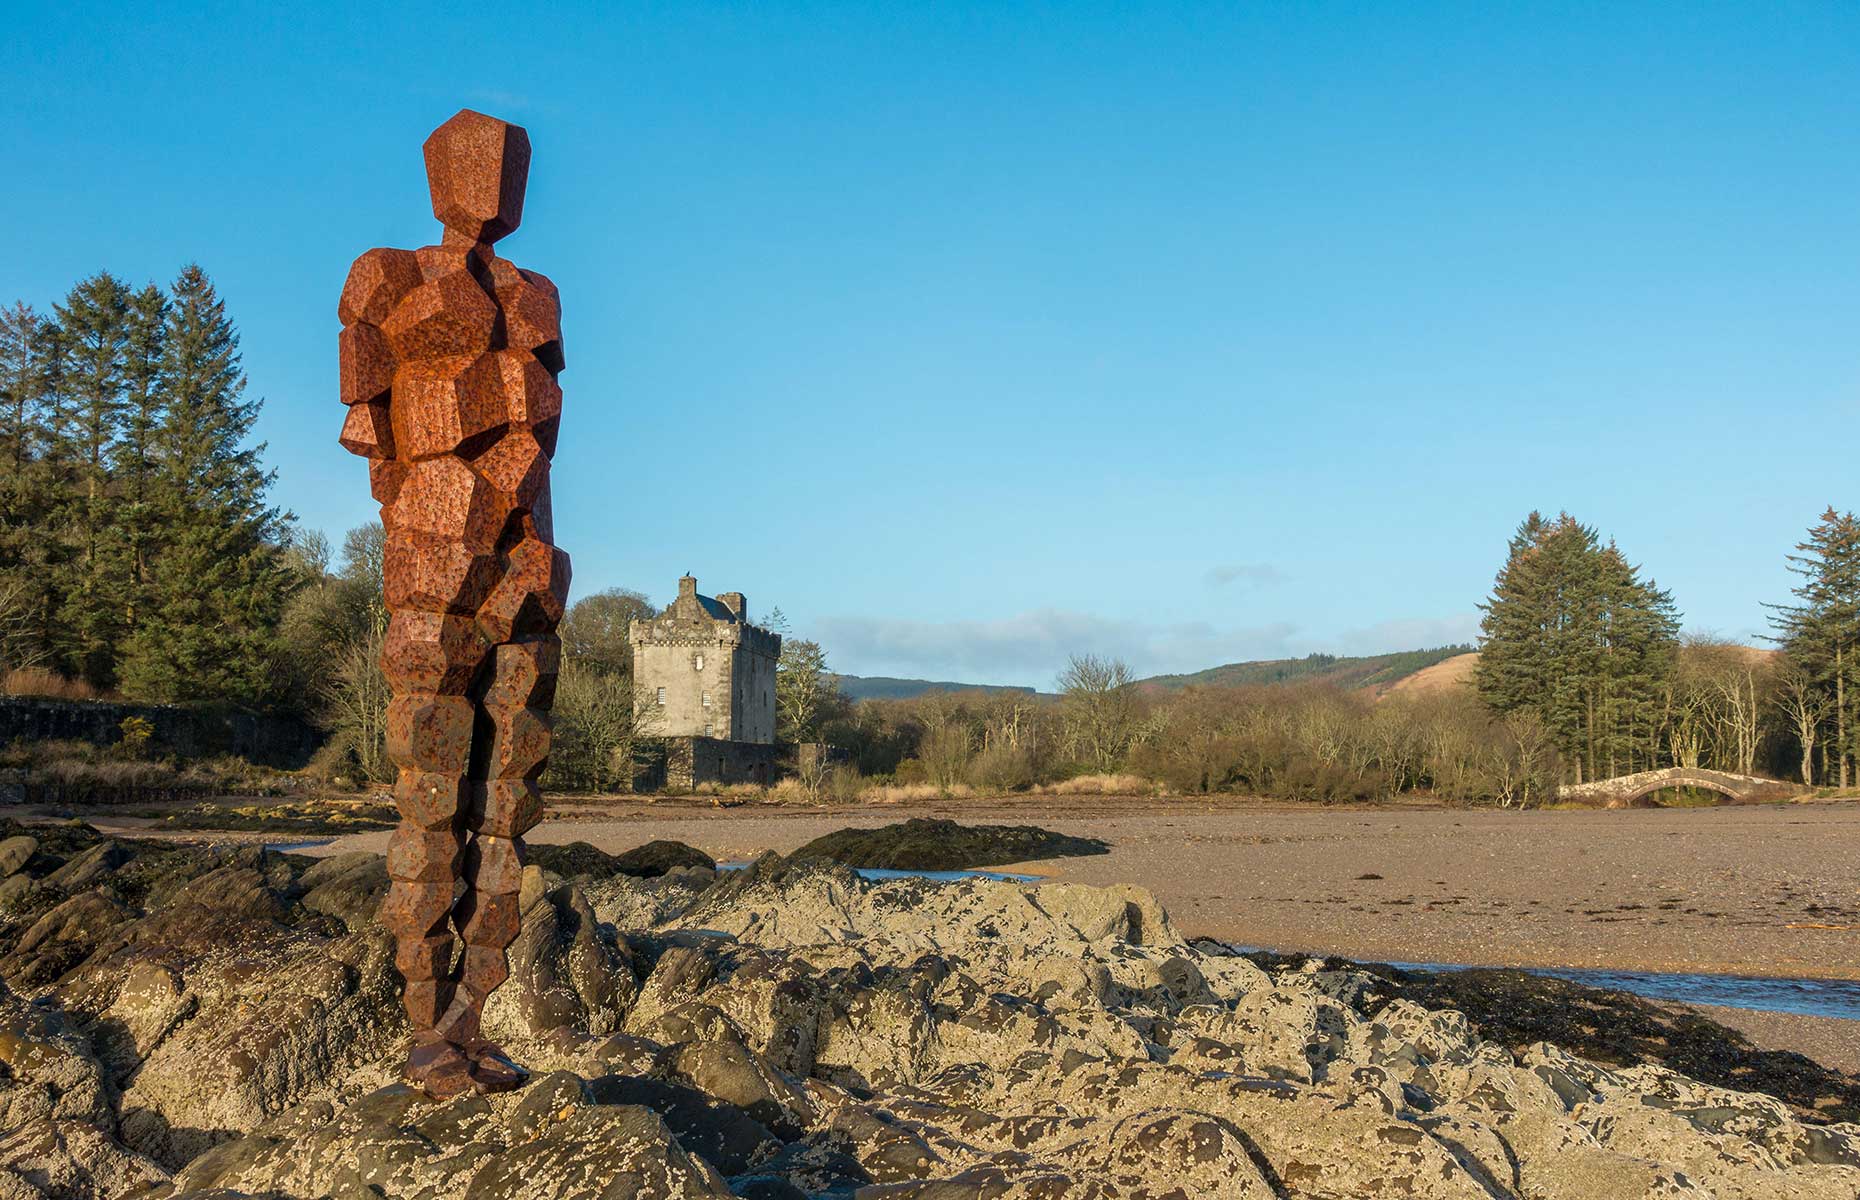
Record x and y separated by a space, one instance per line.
492 1070
439 1069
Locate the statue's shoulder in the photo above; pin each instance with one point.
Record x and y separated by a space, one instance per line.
509 276
378 280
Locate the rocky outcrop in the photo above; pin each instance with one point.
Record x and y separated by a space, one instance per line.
927 844
224 1024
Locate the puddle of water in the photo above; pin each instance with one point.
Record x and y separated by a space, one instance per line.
293 847
944 876
1804 997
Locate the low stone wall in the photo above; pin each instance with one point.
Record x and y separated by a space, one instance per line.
690 761
186 731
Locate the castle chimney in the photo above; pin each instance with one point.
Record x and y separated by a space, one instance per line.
735 603
687 586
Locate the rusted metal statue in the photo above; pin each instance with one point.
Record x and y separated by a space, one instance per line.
449 357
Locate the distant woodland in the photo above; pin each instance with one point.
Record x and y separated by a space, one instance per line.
141 557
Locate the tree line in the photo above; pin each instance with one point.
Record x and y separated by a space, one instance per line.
138 548
1583 674
140 553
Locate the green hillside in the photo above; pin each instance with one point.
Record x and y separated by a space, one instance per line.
1377 670
884 687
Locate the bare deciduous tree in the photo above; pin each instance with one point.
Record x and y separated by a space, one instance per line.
1806 705
20 647
1100 709
355 705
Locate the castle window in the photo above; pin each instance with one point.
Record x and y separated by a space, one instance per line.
697 662
706 699
661 697
707 729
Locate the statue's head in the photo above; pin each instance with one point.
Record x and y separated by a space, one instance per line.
476 167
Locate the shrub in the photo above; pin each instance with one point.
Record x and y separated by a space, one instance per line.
1002 769
844 784
137 732
945 755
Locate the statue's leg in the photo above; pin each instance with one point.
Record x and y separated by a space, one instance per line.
429 659
514 732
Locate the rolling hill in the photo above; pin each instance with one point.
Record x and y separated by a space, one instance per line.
885 687
1372 671
1406 670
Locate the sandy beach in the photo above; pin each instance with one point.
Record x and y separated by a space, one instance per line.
1769 890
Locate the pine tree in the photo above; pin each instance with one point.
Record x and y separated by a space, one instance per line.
27 414
218 586
1575 636
90 372
1822 632
134 459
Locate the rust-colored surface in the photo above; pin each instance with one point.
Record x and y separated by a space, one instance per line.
448 362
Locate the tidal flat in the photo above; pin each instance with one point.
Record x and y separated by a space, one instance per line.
1767 890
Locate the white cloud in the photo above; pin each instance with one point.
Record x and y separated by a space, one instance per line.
1249 575
1031 648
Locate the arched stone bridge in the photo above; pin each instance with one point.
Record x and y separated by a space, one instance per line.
1624 790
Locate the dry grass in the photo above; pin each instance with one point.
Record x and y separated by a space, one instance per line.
1103 785
37 681
79 772
908 793
1455 672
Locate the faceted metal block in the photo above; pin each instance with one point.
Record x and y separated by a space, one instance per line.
430 733
434 574
530 597
427 958
429 801
444 317
449 258
488 919
482 968
523 674
425 855
506 808
376 283
532 310
444 405
367 432
385 476
477 168
365 364
426 1000
417 909
494 865
516 467
443 497
519 743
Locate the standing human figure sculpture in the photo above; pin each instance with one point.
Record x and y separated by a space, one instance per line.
449 357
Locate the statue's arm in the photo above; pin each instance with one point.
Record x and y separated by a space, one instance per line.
378 281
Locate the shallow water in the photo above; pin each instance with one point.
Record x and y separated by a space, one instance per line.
294 847
1805 997
944 876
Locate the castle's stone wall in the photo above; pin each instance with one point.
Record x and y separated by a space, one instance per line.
752 696
695 760
707 672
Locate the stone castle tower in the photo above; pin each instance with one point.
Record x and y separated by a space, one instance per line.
711 676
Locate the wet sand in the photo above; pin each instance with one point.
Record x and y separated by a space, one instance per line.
1769 890
1766 890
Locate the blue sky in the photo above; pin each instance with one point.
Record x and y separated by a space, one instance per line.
976 335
